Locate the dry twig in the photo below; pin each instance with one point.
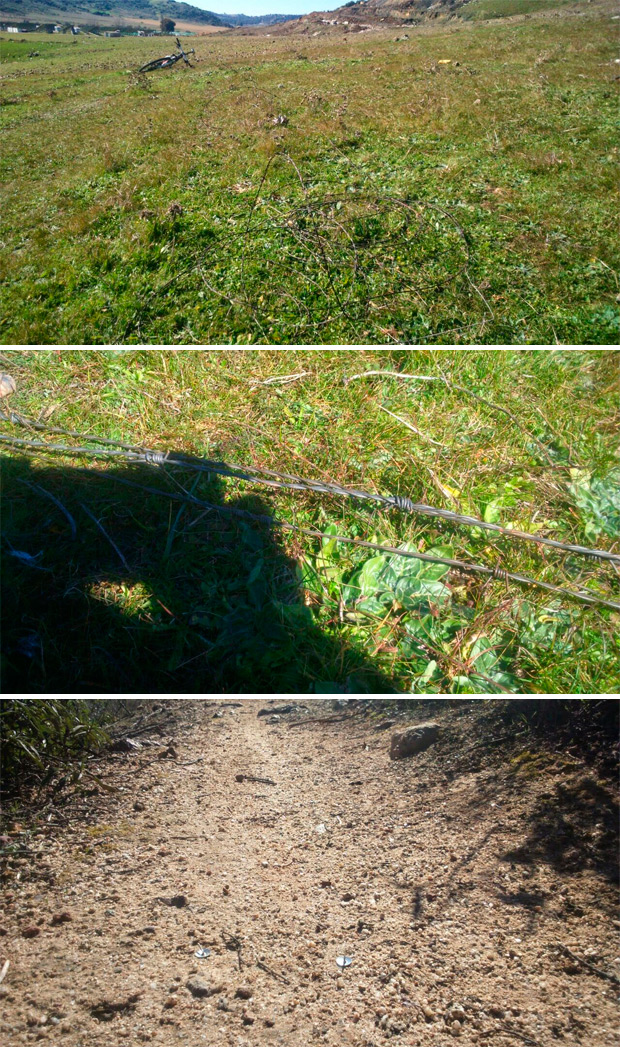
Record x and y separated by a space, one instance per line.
281 379
461 389
106 535
585 963
56 501
418 432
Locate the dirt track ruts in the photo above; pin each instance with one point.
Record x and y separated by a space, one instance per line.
396 864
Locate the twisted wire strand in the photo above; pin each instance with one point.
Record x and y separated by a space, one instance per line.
587 597
133 453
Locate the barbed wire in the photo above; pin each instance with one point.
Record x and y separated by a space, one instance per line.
495 573
139 454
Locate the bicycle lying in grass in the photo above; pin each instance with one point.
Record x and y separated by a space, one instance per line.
168 60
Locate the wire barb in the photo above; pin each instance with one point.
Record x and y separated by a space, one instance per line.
271 478
400 501
155 457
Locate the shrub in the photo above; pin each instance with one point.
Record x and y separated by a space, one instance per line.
40 736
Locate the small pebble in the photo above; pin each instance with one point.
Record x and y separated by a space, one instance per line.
59 918
7 385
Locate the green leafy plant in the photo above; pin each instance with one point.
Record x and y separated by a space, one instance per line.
38 737
391 580
460 662
599 500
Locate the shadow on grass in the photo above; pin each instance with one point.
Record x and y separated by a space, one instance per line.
202 602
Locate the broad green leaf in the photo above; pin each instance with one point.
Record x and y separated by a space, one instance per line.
492 512
373 604
333 574
256 570
483 656
369 577
420 634
309 576
401 567
429 672
328 545
351 591
413 593
398 566
464 685
432 572
599 501
423 629
296 614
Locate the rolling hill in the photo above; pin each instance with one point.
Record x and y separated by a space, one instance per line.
111 13
357 14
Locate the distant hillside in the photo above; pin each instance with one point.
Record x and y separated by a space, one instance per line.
258 19
118 12
412 11
113 11
358 14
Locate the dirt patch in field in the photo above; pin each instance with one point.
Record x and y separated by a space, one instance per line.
473 890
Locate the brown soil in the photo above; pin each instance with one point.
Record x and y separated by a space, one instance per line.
473 892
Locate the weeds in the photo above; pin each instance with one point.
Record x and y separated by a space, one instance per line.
511 146
207 601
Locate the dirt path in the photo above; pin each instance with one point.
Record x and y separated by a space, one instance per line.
400 865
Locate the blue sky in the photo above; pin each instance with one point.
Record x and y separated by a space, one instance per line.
266 7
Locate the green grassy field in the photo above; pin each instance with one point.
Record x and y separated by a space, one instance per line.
200 601
401 200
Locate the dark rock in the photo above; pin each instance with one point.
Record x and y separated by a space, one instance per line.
105 1011
200 988
167 754
413 740
384 725
244 993
125 745
60 917
31 932
178 901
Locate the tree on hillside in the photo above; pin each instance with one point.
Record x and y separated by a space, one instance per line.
166 24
